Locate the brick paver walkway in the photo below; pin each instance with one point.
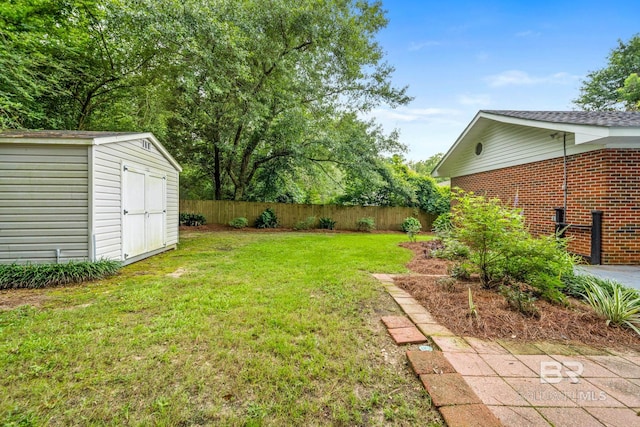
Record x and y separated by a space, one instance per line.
477 382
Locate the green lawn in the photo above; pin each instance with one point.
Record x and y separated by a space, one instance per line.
261 329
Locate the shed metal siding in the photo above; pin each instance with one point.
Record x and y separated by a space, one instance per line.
44 196
506 145
107 208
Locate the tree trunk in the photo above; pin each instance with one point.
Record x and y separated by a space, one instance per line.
217 175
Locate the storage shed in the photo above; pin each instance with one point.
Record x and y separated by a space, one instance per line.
75 195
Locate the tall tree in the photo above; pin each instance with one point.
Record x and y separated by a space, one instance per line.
279 84
601 90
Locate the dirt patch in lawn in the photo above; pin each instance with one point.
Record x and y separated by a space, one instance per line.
449 305
12 298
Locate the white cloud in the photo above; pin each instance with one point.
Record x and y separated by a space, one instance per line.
528 34
414 46
479 99
521 78
405 114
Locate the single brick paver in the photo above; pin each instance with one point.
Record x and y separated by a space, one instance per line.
392 322
586 394
469 416
539 395
448 389
485 347
515 347
422 318
429 362
432 329
553 348
407 335
589 368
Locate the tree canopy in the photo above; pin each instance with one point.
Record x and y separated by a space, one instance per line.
614 87
258 100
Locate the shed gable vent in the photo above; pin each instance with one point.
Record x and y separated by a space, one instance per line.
146 145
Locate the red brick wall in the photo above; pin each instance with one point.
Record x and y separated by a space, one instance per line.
606 180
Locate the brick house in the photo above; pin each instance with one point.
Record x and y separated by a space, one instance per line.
581 161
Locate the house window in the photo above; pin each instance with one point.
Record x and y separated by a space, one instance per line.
478 148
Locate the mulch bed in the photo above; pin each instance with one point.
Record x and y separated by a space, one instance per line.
449 305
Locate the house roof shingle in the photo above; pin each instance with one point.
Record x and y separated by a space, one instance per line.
61 134
593 118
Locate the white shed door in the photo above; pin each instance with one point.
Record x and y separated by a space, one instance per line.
144 196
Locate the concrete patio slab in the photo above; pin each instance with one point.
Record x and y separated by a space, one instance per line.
422 318
628 275
469 364
589 368
433 329
621 389
539 395
514 416
429 362
615 417
448 389
452 344
507 365
495 391
485 347
469 416
586 395
569 417
618 365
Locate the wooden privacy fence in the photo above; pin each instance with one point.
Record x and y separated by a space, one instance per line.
386 218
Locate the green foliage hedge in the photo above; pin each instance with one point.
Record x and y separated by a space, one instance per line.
192 219
14 276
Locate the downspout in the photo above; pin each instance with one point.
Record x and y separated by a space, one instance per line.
565 177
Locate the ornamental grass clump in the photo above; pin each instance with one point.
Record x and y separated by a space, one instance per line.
616 303
14 276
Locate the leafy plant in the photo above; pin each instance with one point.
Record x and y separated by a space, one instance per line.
240 222
305 224
520 301
326 223
366 224
447 283
442 224
619 305
452 250
460 271
192 219
412 227
14 276
267 219
473 309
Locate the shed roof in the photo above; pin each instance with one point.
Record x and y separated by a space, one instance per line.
81 137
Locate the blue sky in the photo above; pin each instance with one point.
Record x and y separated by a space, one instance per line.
458 57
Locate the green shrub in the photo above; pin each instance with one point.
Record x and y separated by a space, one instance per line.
502 249
452 250
267 219
460 271
239 222
192 219
366 224
447 283
13 276
619 305
306 224
412 227
326 223
442 224
520 301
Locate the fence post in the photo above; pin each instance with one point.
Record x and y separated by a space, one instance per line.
596 238
559 218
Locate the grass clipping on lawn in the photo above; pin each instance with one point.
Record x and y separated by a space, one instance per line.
577 323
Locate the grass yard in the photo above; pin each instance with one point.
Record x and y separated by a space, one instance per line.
260 329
